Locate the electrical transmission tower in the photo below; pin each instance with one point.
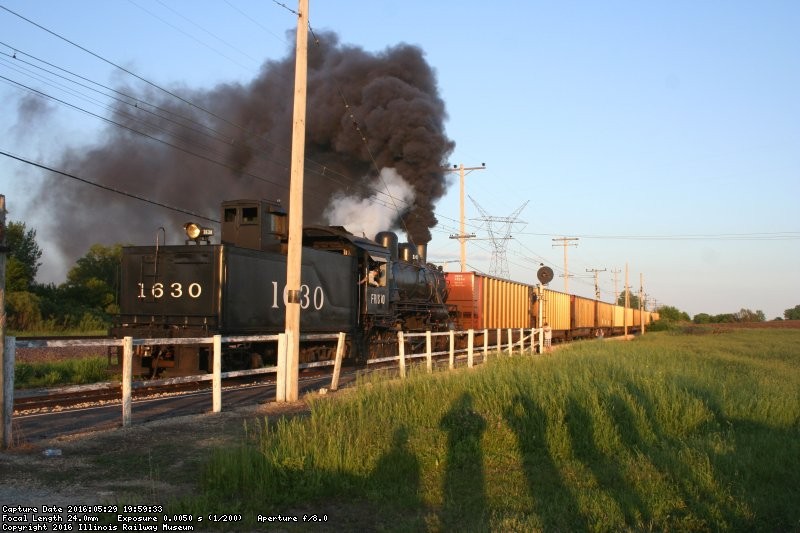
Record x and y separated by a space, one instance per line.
499 235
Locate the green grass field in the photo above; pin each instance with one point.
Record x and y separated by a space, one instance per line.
60 373
668 432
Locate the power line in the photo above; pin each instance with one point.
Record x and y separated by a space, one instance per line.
778 235
107 188
137 132
214 135
120 67
393 200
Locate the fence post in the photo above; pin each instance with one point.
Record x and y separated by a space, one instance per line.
470 343
499 341
337 364
452 349
216 395
280 378
521 341
127 379
485 345
510 342
401 345
429 349
8 390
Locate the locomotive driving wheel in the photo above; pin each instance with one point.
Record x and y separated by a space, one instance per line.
381 343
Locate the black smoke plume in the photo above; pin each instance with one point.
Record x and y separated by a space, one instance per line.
193 159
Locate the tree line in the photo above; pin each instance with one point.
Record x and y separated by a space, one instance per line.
673 314
87 300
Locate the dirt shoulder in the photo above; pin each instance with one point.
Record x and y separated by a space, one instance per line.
151 463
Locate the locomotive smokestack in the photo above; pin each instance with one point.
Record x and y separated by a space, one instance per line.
422 253
190 159
388 239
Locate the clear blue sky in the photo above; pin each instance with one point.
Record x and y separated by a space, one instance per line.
664 135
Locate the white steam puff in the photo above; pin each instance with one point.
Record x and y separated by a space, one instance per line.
378 212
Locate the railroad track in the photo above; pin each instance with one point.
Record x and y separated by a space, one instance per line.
65 398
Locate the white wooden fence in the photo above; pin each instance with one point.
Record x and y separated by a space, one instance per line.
528 340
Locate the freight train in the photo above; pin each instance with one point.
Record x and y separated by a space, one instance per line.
369 289
482 302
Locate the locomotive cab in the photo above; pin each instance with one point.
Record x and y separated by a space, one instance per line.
255 224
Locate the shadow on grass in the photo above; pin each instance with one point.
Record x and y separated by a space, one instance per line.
606 470
719 474
464 486
759 463
730 474
553 502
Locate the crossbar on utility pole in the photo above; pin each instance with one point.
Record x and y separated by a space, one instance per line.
462 235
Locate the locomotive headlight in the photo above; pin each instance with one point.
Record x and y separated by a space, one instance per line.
196 232
192 230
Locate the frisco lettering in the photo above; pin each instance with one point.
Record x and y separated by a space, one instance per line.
379 299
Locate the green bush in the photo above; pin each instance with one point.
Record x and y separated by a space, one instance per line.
23 310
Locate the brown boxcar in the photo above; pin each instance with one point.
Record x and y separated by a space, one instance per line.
485 302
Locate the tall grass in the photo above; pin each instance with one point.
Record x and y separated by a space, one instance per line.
55 373
669 432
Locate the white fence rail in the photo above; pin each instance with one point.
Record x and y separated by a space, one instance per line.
530 340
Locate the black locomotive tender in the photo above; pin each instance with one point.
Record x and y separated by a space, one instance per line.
238 287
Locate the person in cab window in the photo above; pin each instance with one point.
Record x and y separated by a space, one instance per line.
372 277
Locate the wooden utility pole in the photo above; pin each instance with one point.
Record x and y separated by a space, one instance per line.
565 241
641 303
294 256
6 359
462 235
596 272
627 301
616 279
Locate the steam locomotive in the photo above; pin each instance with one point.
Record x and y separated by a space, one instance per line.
238 287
